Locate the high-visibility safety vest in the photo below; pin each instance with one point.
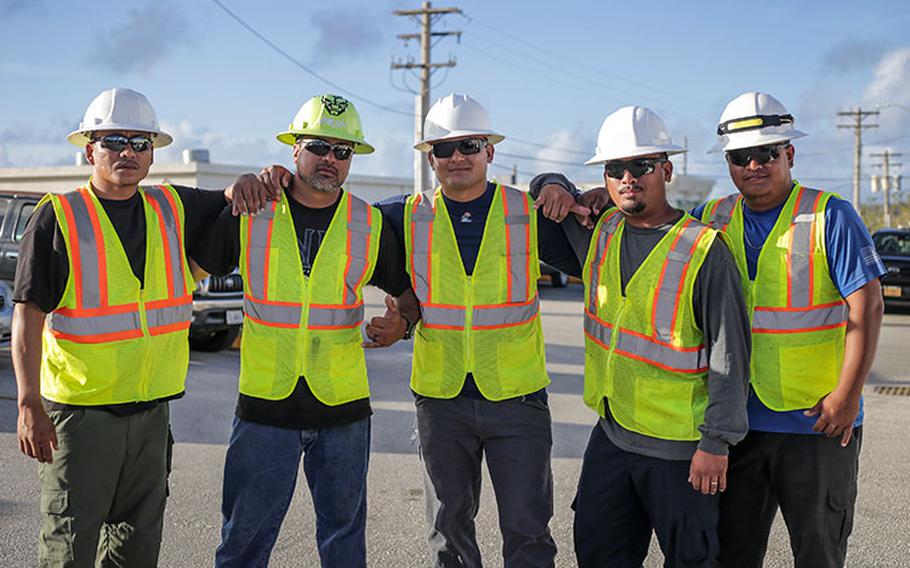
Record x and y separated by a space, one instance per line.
296 325
112 340
488 323
798 316
643 351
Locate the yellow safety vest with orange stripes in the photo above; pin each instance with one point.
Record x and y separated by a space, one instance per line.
488 323
110 340
296 325
798 316
643 351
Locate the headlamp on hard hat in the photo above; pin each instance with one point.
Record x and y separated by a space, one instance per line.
753 123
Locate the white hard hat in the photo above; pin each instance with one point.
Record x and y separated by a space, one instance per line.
632 131
456 116
119 109
754 119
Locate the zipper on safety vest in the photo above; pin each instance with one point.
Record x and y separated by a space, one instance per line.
469 324
143 322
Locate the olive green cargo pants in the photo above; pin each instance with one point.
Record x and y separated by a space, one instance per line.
103 496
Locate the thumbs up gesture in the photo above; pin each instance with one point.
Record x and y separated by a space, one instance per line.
385 330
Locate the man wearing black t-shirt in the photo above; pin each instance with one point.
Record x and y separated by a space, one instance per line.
303 383
106 268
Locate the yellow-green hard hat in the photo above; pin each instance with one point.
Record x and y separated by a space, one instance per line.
328 116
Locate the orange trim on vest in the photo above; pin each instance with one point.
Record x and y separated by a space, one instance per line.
75 255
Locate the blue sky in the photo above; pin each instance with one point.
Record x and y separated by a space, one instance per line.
548 72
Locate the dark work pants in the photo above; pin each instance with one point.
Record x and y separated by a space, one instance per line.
515 438
813 480
622 496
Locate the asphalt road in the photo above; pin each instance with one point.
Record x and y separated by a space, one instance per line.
396 528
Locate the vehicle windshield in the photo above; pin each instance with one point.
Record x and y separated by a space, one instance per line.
893 244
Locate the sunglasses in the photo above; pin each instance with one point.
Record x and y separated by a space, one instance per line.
637 168
761 154
319 147
466 147
117 142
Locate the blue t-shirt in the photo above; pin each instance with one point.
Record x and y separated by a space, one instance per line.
852 263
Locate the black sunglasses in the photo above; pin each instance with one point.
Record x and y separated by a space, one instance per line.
117 142
466 146
319 147
638 168
761 154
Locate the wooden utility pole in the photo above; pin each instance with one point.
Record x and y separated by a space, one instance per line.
886 181
426 16
857 115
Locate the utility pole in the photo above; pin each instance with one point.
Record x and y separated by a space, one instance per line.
886 182
685 156
426 15
857 115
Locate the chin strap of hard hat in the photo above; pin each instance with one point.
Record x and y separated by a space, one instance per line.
753 123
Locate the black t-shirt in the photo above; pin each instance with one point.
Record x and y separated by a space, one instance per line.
301 410
43 265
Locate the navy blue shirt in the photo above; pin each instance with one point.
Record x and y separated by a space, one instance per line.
852 263
468 221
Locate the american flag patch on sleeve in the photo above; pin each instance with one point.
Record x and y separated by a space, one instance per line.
871 256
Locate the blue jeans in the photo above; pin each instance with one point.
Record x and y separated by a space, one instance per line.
260 473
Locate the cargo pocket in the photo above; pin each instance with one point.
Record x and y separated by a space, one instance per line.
169 460
55 544
839 518
698 545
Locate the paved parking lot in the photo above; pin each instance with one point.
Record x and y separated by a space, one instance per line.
396 529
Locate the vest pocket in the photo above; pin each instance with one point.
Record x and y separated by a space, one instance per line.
807 373
665 408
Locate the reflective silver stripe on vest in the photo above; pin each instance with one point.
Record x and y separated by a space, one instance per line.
505 315
259 227
661 355
443 316
603 236
358 244
675 266
518 227
272 313
170 315
723 213
598 330
803 320
801 249
96 325
89 267
422 218
336 317
171 240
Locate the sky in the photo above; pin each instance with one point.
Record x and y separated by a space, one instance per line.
547 72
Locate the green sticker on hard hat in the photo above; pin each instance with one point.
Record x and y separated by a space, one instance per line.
334 104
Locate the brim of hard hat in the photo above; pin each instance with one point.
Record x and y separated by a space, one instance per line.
749 140
82 137
290 138
620 154
426 144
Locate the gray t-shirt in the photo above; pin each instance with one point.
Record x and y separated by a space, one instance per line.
720 313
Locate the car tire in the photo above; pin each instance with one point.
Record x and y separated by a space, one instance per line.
559 280
214 341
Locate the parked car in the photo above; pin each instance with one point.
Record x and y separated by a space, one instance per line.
217 301
893 246
557 279
6 314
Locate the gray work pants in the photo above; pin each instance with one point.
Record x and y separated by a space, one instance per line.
516 438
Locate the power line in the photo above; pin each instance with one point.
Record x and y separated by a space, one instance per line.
556 55
547 146
300 65
858 116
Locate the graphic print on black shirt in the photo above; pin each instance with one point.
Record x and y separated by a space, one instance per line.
309 243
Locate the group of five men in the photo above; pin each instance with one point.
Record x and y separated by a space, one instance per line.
678 308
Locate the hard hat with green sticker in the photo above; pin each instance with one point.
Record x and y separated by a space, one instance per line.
328 116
